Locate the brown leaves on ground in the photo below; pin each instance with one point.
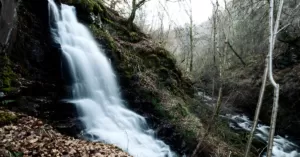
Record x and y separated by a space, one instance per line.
32 137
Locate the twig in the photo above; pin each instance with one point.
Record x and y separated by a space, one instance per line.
283 28
230 154
262 151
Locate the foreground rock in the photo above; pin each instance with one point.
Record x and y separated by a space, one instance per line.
31 137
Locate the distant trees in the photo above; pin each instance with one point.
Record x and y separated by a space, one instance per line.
189 12
234 38
114 3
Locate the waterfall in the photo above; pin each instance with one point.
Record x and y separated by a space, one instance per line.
95 90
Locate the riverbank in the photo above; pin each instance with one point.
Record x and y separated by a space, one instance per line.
241 125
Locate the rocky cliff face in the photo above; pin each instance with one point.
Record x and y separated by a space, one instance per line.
30 73
8 17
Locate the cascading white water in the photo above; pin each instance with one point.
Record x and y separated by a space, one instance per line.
95 91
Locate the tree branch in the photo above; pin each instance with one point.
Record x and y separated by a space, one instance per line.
141 3
236 54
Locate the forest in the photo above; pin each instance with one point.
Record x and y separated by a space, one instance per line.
150 78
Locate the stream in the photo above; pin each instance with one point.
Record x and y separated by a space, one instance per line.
282 146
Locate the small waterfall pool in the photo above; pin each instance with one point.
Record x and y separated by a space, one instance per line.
95 90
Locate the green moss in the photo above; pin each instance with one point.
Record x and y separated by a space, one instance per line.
7 117
108 20
90 5
9 89
97 9
98 32
163 73
134 36
5 102
7 76
16 154
155 103
152 60
182 110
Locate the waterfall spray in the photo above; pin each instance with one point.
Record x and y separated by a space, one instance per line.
95 90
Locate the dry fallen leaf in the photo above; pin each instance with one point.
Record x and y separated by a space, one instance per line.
32 137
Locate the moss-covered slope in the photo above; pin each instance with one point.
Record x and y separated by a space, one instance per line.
151 82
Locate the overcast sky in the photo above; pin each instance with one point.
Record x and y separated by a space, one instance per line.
202 10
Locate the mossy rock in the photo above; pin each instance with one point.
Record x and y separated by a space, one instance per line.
90 5
152 60
181 109
9 89
163 73
7 117
8 78
100 33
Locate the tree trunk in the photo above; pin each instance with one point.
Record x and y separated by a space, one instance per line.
191 41
236 54
272 40
259 104
131 18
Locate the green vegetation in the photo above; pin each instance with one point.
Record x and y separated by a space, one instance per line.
7 76
16 154
5 102
91 5
7 117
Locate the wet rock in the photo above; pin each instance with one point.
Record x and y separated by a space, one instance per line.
96 20
2 94
7 21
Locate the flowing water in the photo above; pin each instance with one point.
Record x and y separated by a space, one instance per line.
282 146
95 90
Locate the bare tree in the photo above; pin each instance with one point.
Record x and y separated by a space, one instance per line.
191 35
135 6
258 108
268 70
273 33
219 101
215 16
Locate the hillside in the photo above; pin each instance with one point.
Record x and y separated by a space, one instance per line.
32 84
54 85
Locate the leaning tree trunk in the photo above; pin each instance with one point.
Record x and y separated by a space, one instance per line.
268 67
132 14
259 104
273 33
